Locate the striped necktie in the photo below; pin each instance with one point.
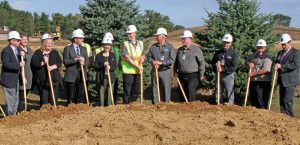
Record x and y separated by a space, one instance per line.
16 52
77 50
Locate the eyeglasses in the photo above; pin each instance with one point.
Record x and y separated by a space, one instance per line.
18 40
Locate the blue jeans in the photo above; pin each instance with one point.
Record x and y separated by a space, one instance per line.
226 88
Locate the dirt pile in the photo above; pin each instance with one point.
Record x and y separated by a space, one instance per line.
195 123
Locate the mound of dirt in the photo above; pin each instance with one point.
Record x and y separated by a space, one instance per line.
193 123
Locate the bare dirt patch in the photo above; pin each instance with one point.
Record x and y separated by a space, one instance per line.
192 123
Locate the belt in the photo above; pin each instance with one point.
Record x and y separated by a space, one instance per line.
163 69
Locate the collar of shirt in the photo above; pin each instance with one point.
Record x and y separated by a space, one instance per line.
158 45
228 50
133 42
75 46
13 47
186 48
287 50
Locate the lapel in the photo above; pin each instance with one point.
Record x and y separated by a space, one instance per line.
286 57
12 53
73 50
82 49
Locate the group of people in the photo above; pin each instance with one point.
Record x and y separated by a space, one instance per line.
187 65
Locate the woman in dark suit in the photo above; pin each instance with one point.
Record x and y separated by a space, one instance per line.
39 61
104 61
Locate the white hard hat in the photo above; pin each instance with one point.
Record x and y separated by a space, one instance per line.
46 36
261 42
131 29
227 38
79 30
161 31
108 35
285 38
13 35
78 33
187 34
106 41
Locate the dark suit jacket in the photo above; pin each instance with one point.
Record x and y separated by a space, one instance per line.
73 67
10 68
289 72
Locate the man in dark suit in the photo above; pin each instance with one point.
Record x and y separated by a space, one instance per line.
75 55
10 72
287 64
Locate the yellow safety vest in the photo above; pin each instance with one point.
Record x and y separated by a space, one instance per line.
88 49
135 54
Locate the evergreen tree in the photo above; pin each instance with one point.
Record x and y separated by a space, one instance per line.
71 22
5 10
281 19
45 26
58 19
157 20
25 23
36 22
112 16
241 19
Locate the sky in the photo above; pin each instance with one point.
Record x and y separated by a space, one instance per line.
188 13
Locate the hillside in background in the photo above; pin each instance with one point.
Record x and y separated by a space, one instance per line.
175 39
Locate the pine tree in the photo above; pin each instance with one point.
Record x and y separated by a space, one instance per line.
112 16
241 19
157 20
36 21
71 22
45 26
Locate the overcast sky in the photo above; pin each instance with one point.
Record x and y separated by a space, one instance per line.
188 13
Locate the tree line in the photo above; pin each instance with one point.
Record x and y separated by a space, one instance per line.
26 22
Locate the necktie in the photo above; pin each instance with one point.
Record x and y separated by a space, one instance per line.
77 51
16 53
282 56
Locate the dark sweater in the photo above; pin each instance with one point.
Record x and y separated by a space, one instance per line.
230 60
100 68
40 72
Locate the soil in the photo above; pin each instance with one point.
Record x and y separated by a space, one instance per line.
172 123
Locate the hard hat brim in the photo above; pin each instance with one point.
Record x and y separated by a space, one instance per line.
160 34
186 36
129 32
285 42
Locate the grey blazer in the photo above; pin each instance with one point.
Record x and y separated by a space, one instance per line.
72 68
289 73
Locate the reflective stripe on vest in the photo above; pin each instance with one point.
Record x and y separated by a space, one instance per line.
135 54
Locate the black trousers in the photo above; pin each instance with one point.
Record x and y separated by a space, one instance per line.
115 93
189 83
75 91
286 99
260 94
131 87
46 96
21 104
